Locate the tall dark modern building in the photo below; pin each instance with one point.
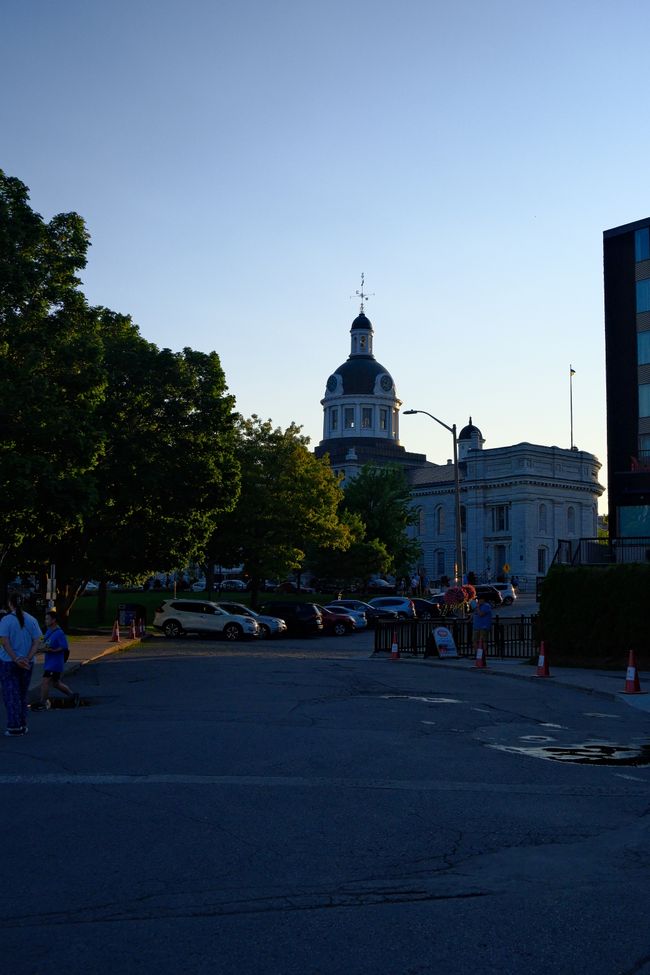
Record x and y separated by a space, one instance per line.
626 258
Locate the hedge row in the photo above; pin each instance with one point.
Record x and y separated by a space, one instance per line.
595 616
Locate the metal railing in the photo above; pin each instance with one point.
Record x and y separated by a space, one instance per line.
515 637
602 551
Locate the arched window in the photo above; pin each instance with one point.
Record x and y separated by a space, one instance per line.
571 520
440 520
542 519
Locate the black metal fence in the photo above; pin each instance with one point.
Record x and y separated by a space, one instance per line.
514 637
601 551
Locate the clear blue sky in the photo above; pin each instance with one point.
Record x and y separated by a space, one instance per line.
239 164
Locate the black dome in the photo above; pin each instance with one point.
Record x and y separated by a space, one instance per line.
361 322
469 431
359 374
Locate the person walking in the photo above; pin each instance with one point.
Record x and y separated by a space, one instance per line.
481 622
55 646
19 638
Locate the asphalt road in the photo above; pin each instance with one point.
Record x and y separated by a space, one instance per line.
301 808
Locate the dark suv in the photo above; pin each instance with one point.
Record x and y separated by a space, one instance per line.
302 618
492 595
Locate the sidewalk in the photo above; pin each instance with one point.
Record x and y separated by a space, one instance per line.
83 650
607 684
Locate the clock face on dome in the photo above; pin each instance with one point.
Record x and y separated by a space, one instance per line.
331 383
386 383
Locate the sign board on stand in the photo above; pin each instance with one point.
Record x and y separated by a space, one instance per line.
444 642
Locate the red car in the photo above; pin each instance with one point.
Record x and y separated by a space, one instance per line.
336 623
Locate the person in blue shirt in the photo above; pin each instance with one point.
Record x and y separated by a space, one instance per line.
481 622
19 639
55 646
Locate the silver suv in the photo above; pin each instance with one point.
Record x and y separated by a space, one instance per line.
401 605
268 625
175 617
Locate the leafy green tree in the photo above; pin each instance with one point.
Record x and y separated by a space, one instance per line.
53 378
380 496
289 499
168 470
361 560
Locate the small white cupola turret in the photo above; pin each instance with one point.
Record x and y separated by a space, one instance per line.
469 438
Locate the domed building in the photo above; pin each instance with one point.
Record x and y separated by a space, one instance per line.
361 410
517 503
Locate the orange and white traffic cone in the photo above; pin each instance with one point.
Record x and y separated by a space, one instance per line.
542 663
632 682
394 649
480 655
115 638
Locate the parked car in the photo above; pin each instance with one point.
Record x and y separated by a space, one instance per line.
358 615
372 613
289 586
492 595
402 605
444 607
198 586
232 585
303 618
426 609
380 585
336 623
268 625
507 590
175 617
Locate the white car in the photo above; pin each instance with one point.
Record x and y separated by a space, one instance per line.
268 625
198 586
175 617
507 591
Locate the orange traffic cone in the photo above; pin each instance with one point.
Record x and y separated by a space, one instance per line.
115 638
394 649
480 655
632 682
542 663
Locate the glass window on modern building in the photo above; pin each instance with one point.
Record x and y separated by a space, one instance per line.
643 295
642 244
644 399
349 418
643 348
366 417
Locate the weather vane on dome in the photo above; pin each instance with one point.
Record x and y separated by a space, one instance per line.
361 294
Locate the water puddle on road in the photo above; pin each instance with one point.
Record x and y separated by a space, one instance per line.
424 700
589 753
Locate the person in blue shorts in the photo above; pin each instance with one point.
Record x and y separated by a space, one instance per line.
55 645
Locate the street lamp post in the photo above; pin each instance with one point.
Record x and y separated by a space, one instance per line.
458 568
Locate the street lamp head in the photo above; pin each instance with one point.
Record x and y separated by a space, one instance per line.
410 412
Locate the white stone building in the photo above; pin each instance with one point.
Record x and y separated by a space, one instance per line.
517 502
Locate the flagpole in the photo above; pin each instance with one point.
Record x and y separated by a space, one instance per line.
571 373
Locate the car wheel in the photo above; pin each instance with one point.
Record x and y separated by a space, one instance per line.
172 629
507 601
232 632
340 629
265 632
